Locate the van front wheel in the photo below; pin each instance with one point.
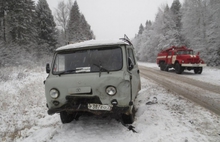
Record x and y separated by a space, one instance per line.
65 117
128 119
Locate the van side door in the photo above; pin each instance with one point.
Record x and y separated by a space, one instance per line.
134 70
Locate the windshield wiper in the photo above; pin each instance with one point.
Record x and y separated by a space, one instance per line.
66 71
101 69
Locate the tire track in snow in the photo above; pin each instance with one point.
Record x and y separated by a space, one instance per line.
207 86
205 94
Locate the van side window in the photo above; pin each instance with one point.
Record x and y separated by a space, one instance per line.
131 55
59 64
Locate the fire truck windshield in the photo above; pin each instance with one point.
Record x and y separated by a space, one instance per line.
185 52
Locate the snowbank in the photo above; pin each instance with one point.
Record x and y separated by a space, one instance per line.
22 100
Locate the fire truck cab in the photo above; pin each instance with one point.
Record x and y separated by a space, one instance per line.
180 58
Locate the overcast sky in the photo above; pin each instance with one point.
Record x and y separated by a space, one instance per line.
111 19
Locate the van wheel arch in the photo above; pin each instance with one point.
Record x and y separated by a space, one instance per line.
66 117
128 118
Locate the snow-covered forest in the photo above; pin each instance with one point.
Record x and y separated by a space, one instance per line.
29 32
194 23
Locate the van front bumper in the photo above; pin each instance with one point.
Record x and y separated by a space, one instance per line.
84 108
83 104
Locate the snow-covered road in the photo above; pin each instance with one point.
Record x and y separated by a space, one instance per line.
205 94
209 75
172 119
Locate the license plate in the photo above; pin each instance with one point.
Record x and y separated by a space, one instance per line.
99 107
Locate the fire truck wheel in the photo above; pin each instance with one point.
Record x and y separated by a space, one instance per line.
178 68
166 68
198 70
162 66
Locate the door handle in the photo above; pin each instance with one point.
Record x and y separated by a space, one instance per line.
138 71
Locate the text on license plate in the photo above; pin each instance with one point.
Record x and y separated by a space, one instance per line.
98 107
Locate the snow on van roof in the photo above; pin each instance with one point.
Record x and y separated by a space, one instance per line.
90 43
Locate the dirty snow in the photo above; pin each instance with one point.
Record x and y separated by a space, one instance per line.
172 119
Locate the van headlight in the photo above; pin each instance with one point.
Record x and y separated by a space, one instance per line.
111 90
54 93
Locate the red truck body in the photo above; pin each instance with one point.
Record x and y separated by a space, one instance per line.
180 58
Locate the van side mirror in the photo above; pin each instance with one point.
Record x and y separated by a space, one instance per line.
47 68
130 64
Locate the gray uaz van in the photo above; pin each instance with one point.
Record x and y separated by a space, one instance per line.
95 77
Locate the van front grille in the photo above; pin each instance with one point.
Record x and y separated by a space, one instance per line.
76 100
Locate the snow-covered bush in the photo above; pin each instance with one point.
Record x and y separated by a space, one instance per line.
21 93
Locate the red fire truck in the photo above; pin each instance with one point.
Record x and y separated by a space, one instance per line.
180 58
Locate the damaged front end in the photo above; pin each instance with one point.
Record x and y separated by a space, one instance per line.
91 105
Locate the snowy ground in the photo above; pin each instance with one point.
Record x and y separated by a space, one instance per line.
172 119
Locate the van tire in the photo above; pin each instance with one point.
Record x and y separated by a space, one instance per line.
128 119
65 117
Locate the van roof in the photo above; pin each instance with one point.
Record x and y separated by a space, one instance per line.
92 43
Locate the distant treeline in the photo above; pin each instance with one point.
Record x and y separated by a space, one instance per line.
195 24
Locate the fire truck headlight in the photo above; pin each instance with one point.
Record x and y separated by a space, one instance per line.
182 61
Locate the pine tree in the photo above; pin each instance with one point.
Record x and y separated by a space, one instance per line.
87 34
194 22
2 20
148 24
165 28
213 33
176 17
45 24
176 14
78 28
73 25
141 29
62 17
18 25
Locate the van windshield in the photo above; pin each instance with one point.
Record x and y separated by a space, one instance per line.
90 60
